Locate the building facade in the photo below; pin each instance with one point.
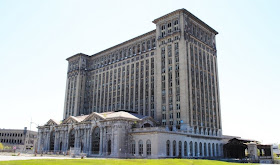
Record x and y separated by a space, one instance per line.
168 74
22 139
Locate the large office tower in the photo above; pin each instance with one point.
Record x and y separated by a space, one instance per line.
156 95
169 74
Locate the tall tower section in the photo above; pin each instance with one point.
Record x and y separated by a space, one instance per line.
186 73
75 85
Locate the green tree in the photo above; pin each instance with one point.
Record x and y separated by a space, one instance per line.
1 146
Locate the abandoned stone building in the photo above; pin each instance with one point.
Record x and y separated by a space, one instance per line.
22 139
156 95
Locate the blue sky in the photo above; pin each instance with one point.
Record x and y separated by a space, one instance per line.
37 36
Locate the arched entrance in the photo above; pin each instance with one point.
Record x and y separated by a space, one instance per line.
146 125
95 140
82 147
60 146
71 138
52 137
109 147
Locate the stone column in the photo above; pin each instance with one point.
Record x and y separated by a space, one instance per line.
136 148
101 141
202 150
211 154
84 140
207 153
252 150
105 142
90 141
79 138
55 141
48 141
87 141
193 147
64 143
198 150
214 152
39 140
76 138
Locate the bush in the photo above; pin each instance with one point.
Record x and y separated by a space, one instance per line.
7 148
1 146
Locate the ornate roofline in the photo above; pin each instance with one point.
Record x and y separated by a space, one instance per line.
52 120
93 114
189 14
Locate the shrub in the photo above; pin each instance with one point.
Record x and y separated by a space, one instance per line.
1 146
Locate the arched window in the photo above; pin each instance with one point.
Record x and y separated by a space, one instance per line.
109 147
133 49
52 137
185 148
191 148
180 148
153 42
148 44
195 149
205 149
146 125
174 148
133 147
95 140
168 148
60 146
82 146
140 145
209 150
148 147
200 149
71 138
138 48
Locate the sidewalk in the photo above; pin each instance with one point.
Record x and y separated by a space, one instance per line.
8 156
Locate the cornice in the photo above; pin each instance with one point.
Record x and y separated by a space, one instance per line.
168 15
126 42
77 55
187 13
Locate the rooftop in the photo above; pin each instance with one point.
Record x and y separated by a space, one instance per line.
104 116
189 14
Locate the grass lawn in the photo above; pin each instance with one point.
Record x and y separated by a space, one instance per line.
118 162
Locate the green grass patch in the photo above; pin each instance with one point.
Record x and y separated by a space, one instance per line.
118 162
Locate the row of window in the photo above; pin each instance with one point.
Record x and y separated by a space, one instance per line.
188 149
95 141
201 34
11 134
169 28
117 84
167 85
123 54
203 88
193 149
107 85
140 148
12 141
